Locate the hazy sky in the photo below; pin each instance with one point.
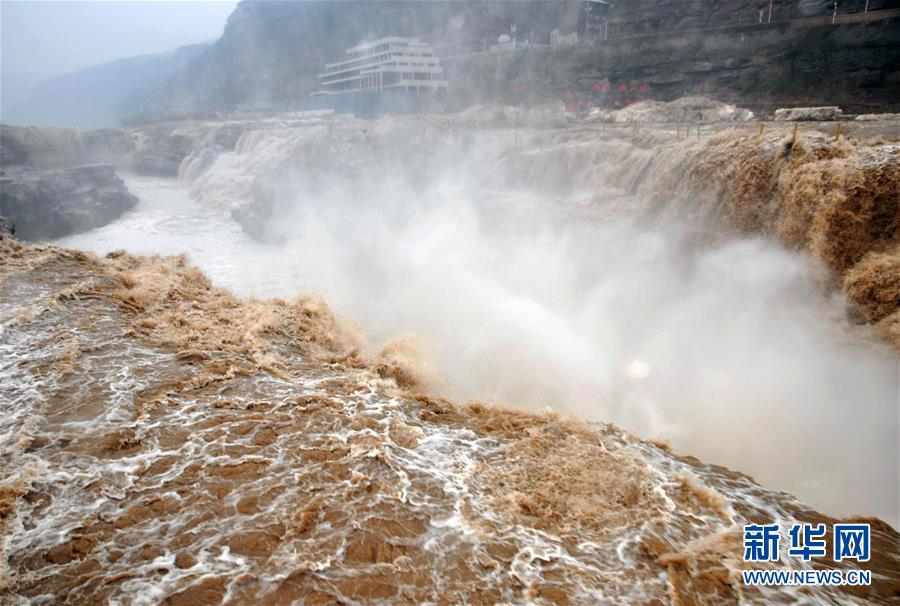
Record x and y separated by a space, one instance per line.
42 39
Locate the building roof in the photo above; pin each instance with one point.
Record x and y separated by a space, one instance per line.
367 45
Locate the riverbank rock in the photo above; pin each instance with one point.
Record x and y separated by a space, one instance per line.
877 117
54 147
160 149
686 109
7 228
808 114
52 203
160 154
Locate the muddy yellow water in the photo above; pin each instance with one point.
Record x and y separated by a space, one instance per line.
164 442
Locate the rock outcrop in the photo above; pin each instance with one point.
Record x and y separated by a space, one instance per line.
877 117
51 203
56 147
161 156
686 109
160 149
7 228
808 114
58 181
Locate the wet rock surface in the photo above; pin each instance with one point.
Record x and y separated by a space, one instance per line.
60 181
160 155
50 203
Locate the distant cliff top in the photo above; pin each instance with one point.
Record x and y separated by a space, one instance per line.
270 53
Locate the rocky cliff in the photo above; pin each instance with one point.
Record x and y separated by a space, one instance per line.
855 66
50 203
58 181
642 17
57 147
270 52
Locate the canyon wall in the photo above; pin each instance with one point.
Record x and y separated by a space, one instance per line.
58 181
271 52
855 66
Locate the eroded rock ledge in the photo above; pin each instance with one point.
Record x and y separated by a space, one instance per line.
51 203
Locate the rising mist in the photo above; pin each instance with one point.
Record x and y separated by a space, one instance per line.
729 347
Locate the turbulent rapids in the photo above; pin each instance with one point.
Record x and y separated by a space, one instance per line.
202 428
165 441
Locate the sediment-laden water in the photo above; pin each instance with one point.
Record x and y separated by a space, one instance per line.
166 442
184 430
674 328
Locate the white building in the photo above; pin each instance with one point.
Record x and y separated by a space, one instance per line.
386 64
